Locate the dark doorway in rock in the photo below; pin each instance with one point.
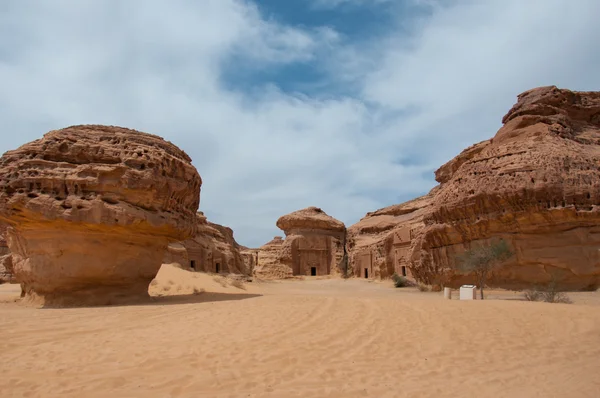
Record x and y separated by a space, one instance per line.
218 268
403 270
193 265
366 273
313 271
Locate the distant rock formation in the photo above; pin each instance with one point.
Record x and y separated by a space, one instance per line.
314 246
268 264
536 185
212 249
92 210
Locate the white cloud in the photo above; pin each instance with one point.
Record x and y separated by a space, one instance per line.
158 67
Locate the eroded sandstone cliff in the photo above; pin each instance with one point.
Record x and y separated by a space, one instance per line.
268 264
212 249
535 184
91 211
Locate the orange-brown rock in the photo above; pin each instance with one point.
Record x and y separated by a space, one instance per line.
212 249
250 259
379 245
268 264
314 243
3 245
536 184
92 210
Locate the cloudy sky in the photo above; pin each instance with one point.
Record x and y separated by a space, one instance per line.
349 105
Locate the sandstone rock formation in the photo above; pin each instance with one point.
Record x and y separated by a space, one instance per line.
379 245
314 242
268 265
3 245
314 245
92 210
6 269
250 259
6 272
536 184
212 249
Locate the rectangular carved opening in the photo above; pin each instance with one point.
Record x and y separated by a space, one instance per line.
313 271
218 268
366 273
193 264
403 270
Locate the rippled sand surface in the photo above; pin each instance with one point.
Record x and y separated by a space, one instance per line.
201 336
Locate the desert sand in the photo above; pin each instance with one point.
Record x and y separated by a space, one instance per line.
200 336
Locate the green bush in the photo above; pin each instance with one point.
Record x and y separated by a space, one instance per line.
400 281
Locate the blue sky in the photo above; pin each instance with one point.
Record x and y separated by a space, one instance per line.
349 105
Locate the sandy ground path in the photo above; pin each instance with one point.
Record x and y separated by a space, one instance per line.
323 338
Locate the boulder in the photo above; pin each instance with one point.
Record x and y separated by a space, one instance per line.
535 184
92 210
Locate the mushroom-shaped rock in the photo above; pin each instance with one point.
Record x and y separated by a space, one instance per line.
92 210
310 218
314 243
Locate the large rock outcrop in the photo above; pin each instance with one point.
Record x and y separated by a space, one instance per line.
379 245
91 211
314 245
268 264
536 184
212 249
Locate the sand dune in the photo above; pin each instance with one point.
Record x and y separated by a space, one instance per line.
313 338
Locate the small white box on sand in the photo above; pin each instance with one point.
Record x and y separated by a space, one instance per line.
467 292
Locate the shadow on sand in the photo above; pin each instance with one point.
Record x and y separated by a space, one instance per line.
198 298
204 297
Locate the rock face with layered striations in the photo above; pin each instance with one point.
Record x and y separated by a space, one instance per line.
314 243
92 210
268 265
379 245
6 272
212 249
536 185
3 245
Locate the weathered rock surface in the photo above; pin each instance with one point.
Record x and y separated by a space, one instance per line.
6 269
314 245
92 210
536 184
268 264
250 259
212 249
380 243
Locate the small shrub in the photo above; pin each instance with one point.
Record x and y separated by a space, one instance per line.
423 287
532 295
556 297
400 281
549 294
